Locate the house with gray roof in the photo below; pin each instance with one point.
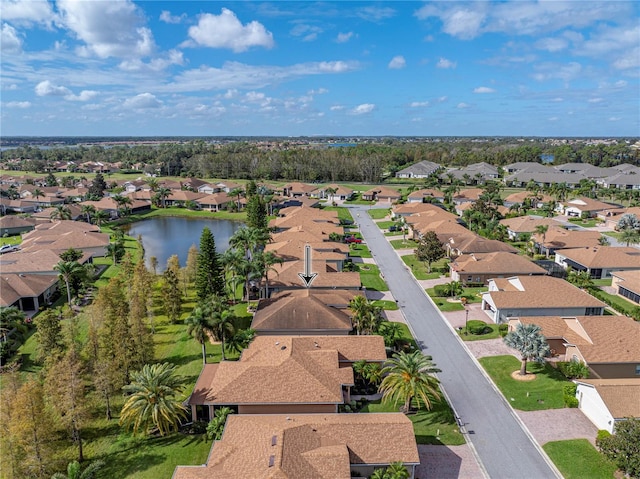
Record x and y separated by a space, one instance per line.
423 169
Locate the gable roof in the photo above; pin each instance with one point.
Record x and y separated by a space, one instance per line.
15 286
498 262
303 309
474 243
604 256
629 280
587 204
319 446
621 396
423 167
557 237
286 276
527 224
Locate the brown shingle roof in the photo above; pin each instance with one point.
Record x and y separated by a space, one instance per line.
286 276
16 286
527 224
604 256
557 237
621 396
630 280
318 446
499 262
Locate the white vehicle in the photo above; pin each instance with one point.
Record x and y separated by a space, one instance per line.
8 248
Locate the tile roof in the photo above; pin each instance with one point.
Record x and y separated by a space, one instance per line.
540 292
557 237
305 446
604 256
11 221
600 339
424 193
273 368
303 310
621 396
498 262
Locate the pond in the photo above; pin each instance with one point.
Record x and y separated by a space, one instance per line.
164 236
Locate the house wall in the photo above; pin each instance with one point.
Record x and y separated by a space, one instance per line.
501 315
288 409
592 405
613 371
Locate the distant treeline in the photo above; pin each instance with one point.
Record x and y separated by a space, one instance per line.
365 162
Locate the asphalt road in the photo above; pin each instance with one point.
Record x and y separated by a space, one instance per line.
500 440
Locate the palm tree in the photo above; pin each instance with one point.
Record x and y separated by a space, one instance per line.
222 320
391 332
407 377
529 341
630 236
453 288
153 184
123 202
395 470
216 425
238 193
329 192
240 340
265 261
88 210
231 261
151 400
100 216
37 193
66 271
61 212
74 471
200 327
542 231
162 194
359 305
249 239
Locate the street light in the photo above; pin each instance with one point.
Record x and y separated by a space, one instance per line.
466 319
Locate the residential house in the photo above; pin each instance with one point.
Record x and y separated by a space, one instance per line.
299 189
16 206
27 292
469 195
599 261
181 198
544 178
520 296
331 252
286 277
629 180
475 174
381 194
59 236
426 210
285 375
472 243
557 238
319 446
606 402
479 268
112 207
608 345
14 225
612 216
45 216
627 284
341 193
526 197
422 169
306 312
525 225
216 202
39 261
583 206
425 195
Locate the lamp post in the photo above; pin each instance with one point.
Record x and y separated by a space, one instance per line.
466 319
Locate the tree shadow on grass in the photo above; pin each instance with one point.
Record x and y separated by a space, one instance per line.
182 360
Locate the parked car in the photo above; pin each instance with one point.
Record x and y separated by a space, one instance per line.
8 248
352 239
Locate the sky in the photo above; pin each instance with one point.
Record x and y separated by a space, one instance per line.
281 68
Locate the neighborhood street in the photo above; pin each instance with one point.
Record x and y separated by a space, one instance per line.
503 446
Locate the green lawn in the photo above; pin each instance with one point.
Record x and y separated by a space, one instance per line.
16 239
437 426
359 251
544 392
495 333
370 277
393 233
386 304
185 213
621 304
444 305
590 223
613 234
384 225
602 282
378 213
578 459
343 213
404 244
420 270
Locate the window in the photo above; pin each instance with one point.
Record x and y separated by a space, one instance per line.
637 369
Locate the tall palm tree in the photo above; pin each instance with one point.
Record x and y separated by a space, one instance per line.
66 271
222 320
61 212
240 340
630 236
37 193
265 261
200 327
249 239
542 231
88 210
100 216
152 400
162 194
359 306
529 341
231 261
238 192
395 470
407 377
74 471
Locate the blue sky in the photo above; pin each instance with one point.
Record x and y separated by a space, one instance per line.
209 68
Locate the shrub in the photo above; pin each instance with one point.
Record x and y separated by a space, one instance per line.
571 401
569 395
478 327
573 369
440 290
602 433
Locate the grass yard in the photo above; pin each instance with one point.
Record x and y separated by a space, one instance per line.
384 225
578 459
590 223
15 239
613 234
620 303
393 233
378 213
544 392
602 282
184 213
404 244
385 304
343 213
359 251
420 270
437 426
370 277
495 333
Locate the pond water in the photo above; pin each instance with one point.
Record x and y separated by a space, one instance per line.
164 236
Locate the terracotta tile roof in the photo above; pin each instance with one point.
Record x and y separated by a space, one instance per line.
600 339
557 238
499 262
304 310
630 280
527 224
16 286
604 256
540 292
621 396
318 446
273 368
286 276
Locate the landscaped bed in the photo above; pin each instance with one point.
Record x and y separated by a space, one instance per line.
578 459
544 392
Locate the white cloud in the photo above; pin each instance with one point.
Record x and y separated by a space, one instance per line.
26 12
419 104
109 29
445 64
483 89
552 44
614 118
549 70
307 32
397 63
337 108
553 118
229 94
362 109
166 17
620 84
459 22
142 101
46 88
10 42
442 99
319 91
375 14
226 31
557 99
630 61
463 105
595 100
344 37
85 95
174 57
18 104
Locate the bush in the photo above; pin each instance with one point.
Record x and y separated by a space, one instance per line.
573 369
602 433
569 395
571 401
478 327
440 290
